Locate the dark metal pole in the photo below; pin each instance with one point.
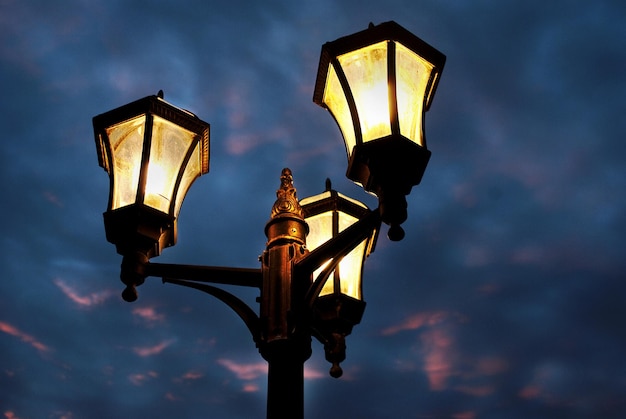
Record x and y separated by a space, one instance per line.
285 338
285 381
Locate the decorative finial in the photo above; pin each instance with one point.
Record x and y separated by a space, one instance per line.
160 94
329 185
287 201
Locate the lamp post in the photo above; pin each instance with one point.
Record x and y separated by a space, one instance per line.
377 84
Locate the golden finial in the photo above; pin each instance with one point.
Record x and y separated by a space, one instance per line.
286 199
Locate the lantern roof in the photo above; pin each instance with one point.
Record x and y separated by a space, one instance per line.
154 105
387 31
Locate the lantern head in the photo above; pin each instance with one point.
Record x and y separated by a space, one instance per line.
152 151
339 305
377 84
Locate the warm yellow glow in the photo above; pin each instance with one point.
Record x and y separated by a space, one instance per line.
191 173
169 147
126 141
156 182
366 72
335 100
412 76
350 267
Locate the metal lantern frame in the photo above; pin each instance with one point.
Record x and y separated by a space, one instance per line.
388 166
139 226
336 311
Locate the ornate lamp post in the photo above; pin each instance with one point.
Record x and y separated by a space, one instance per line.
310 275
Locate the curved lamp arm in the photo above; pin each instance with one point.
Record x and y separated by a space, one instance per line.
318 284
247 277
246 314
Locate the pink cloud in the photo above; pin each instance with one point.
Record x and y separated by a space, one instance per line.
82 300
192 375
244 371
189 376
146 351
438 357
441 359
546 383
139 379
313 374
172 397
417 321
250 388
148 313
24 337
10 415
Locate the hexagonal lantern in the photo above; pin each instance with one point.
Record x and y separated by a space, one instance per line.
377 84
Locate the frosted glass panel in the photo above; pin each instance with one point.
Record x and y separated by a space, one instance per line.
366 71
336 102
412 76
167 153
126 141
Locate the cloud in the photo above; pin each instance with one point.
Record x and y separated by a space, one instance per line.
419 320
441 357
517 224
250 388
148 314
24 337
93 299
145 351
244 371
192 375
438 358
313 374
138 379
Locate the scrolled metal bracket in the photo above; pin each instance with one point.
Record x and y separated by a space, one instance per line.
246 314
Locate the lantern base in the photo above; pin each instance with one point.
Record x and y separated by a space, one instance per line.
389 167
334 315
139 228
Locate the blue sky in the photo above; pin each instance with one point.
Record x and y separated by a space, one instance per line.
505 299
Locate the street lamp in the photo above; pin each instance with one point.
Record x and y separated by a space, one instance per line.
310 275
153 152
377 84
338 304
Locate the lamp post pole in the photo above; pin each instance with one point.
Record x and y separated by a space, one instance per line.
285 343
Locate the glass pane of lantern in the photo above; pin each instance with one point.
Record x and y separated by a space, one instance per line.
320 231
126 141
191 173
366 71
412 76
169 147
336 102
350 266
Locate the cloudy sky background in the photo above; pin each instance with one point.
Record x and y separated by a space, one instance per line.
505 300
